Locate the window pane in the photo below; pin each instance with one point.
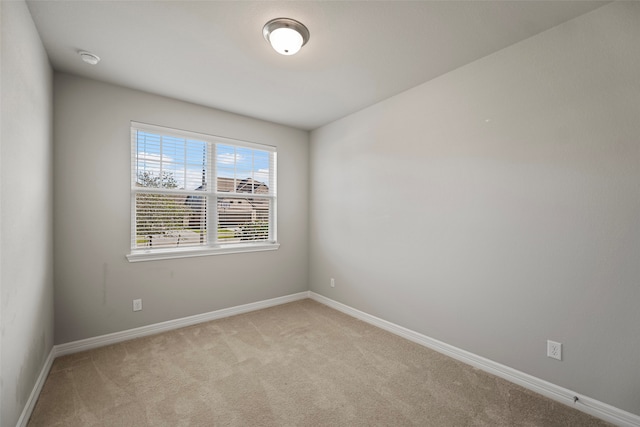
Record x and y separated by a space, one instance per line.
169 162
148 160
243 219
261 167
243 170
196 161
169 221
225 167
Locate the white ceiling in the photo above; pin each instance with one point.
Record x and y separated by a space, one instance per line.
213 53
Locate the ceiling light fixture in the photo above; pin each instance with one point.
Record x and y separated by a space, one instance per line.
89 57
286 35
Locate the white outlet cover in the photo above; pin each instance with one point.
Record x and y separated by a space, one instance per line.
554 350
137 304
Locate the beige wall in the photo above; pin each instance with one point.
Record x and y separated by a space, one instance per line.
95 284
26 231
498 206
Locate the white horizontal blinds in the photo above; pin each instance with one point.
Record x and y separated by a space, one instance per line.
243 219
169 178
245 193
169 221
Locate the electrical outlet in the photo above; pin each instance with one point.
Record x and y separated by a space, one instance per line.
137 304
554 350
333 282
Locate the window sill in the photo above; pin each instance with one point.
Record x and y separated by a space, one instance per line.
160 254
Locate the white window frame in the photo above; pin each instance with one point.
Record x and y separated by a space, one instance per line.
213 246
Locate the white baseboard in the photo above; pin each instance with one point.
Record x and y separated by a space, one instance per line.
37 388
143 331
560 394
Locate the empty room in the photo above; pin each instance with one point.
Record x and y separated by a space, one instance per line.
336 213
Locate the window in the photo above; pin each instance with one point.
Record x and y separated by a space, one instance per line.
195 194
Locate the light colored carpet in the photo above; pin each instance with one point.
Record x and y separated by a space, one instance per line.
298 364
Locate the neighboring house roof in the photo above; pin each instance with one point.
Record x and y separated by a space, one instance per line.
247 185
230 185
250 185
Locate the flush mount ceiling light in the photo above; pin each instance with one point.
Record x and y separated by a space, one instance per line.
89 57
286 35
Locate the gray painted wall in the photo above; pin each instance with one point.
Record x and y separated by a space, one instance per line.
498 206
26 230
95 284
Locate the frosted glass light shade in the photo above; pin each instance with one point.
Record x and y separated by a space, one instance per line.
286 41
285 35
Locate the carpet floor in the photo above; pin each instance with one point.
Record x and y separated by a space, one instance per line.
297 364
